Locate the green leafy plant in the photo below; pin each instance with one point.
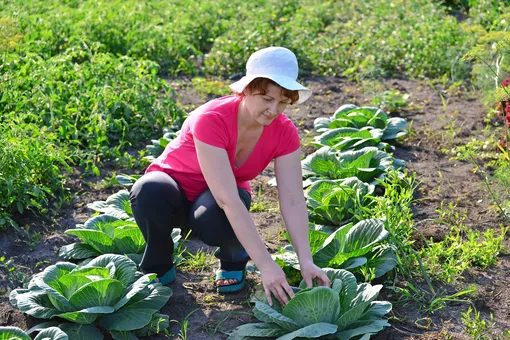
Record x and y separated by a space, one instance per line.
391 101
106 234
158 145
107 292
31 170
461 249
14 333
395 45
367 164
394 208
352 116
344 311
126 180
117 205
476 326
14 274
349 247
10 36
119 104
334 202
350 139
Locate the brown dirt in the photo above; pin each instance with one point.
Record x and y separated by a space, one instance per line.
211 316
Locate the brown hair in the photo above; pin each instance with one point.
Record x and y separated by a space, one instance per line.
259 86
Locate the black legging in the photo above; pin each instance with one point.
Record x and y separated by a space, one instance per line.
159 205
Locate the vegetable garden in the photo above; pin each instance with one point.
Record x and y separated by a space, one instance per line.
405 167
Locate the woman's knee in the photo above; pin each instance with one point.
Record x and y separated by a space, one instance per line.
209 221
152 189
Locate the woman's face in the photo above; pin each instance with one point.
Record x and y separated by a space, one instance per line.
264 108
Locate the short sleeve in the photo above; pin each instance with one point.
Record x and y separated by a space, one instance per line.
289 140
209 128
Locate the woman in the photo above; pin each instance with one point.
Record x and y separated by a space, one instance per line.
202 178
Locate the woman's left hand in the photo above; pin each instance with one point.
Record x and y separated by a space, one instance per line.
311 272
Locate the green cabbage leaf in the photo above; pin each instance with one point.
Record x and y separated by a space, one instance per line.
352 116
343 311
107 292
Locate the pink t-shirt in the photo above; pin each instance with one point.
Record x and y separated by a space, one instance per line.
215 123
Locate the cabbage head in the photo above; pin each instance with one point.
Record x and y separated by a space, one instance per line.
352 246
344 311
107 234
368 165
352 116
334 202
117 205
351 139
107 292
14 333
158 145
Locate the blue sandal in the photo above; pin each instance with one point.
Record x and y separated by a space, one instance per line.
239 275
168 278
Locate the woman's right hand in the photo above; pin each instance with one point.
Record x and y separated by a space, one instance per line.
274 281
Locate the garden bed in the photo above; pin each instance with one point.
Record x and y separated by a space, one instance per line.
436 128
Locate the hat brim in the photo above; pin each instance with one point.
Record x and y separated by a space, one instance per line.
285 82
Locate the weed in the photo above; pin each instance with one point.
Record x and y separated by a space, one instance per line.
450 215
260 206
32 239
461 249
210 87
391 101
440 175
183 332
200 261
483 150
42 263
504 179
13 273
428 301
475 326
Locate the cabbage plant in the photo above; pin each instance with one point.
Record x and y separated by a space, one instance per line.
352 116
127 180
350 139
14 333
352 247
158 145
107 234
367 164
116 205
344 311
334 202
107 292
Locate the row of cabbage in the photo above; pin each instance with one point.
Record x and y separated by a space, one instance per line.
106 291
339 178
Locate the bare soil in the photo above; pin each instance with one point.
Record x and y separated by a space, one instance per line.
211 315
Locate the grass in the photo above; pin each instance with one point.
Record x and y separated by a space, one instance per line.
200 262
475 326
462 248
183 331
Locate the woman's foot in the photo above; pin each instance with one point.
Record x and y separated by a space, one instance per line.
230 281
166 279
226 282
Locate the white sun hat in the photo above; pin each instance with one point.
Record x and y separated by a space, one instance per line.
276 63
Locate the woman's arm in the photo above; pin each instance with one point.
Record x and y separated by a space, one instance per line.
295 213
220 179
292 202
